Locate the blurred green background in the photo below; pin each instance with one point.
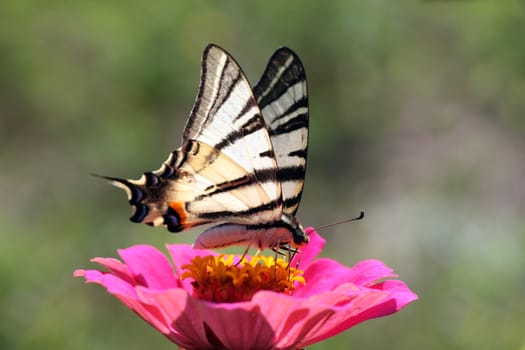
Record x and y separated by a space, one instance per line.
417 117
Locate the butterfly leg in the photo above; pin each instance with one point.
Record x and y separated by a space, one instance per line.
246 251
276 251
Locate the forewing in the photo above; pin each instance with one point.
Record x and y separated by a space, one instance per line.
281 94
226 116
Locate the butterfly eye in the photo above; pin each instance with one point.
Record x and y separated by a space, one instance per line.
299 236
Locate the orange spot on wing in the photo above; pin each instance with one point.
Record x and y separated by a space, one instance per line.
178 207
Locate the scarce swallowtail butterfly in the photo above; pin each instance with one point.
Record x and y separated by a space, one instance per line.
242 160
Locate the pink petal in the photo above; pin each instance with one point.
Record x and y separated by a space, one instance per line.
400 290
144 307
176 312
151 313
116 267
361 309
290 318
113 284
211 325
149 267
366 306
252 330
369 271
340 296
326 274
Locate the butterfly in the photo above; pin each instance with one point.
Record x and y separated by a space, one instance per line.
242 161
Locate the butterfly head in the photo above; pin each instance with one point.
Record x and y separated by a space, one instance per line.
299 236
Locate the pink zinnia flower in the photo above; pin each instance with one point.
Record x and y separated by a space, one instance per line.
262 303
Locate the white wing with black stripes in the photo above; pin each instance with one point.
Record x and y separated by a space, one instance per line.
237 166
282 97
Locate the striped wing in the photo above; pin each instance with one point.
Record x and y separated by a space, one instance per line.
282 97
225 170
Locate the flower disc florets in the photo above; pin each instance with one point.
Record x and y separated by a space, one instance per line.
221 280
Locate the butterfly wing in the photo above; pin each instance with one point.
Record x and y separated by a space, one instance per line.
281 94
225 170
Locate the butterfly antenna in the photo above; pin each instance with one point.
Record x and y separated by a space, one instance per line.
359 217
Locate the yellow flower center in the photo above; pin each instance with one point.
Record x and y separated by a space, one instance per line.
218 279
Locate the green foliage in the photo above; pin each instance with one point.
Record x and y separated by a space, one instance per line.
417 117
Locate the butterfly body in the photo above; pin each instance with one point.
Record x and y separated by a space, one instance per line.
242 160
262 236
